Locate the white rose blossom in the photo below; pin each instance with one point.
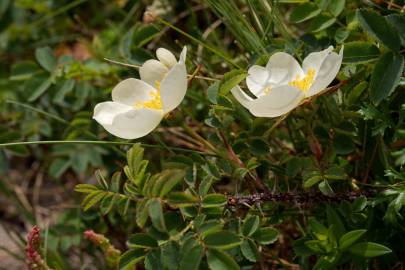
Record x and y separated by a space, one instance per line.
138 106
283 84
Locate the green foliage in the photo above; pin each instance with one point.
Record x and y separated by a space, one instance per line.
213 187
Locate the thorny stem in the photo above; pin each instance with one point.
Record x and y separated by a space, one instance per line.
295 198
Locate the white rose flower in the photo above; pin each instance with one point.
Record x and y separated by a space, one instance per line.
283 84
138 106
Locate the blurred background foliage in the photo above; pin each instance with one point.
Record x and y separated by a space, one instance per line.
176 201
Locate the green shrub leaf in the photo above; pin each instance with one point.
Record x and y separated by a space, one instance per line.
304 12
377 26
385 76
141 240
222 240
219 260
266 236
350 238
369 249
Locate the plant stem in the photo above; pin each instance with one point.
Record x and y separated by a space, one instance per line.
102 143
240 163
55 117
58 11
214 50
138 66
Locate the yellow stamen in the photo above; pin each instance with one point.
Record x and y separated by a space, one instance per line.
267 90
157 85
155 102
305 83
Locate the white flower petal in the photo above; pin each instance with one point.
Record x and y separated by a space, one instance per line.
327 72
258 74
152 71
130 91
134 123
105 112
314 60
280 100
166 57
257 79
173 87
283 68
255 88
241 96
183 55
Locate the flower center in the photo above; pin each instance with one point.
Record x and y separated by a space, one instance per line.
305 83
267 90
155 102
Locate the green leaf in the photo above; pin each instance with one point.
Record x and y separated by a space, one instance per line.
171 181
360 52
141 240
398 22
325 188
222 240
314 245
46 58
356 92
92 199
304 12
67 87
341 35
212 92
312 181
350 238
336 7
156 214
181 199
141 212
230 80
23 70
210 227
153 260
101 180
115 182
250 225
214 200
170 254
249 250
369 249
386 76
107 203
58 167
130 258
40 89
134 158
359 204
318 228
266 236
321 22
259 147
335 220
191 258
377 26
219 260
85 188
